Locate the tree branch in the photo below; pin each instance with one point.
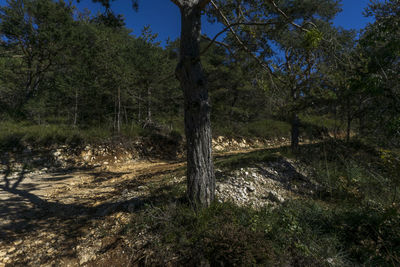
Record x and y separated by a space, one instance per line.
283 14
244 47
179 3
214 40
203 3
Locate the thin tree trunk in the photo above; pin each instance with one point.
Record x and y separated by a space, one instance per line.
149 105
119 111
126 115
349 119
114 121
140 111
200 170
234 100
348 127
295 123
76 108
335 130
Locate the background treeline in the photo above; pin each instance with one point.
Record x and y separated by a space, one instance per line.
70 75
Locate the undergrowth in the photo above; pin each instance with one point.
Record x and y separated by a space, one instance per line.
354 220
17 135
307 233
244 160
267 129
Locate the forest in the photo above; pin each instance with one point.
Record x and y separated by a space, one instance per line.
275 142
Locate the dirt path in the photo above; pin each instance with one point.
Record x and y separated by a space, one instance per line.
46 218
48 212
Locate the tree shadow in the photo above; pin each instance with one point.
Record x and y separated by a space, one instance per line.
24 212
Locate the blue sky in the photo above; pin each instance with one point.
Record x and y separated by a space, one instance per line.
163 16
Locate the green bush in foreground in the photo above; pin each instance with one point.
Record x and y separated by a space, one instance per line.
299 233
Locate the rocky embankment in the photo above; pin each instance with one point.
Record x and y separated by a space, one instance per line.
41 160
269 183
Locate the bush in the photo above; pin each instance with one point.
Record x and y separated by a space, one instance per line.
298 233
220 235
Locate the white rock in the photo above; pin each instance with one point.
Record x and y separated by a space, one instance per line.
86 258
19 242
251 188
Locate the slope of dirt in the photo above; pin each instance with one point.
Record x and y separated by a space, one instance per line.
72 217
44 215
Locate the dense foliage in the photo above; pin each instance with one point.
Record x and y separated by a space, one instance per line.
60 66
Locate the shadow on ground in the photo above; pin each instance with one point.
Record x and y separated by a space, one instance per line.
45 219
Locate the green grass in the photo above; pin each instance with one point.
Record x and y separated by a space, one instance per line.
267 129
245 160
311 127
17 135
20 134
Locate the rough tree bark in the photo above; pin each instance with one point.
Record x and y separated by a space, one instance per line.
200 170
295 123
348 131
76 107
349 120
119 111
149 120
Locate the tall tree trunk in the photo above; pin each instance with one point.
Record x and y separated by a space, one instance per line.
295 132
349 119
360 117
295 122
76 108
119 111
335 129
149 105
115 114
200 170
126 115
348 127
139 111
